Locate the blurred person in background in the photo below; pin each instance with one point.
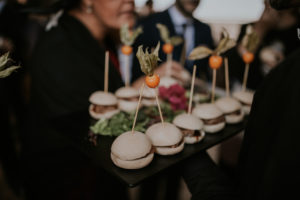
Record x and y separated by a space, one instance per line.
274 30
180 22
66 68
268 166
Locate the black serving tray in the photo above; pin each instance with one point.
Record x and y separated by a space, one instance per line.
100 155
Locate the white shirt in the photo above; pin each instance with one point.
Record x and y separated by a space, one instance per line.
178 20
122 63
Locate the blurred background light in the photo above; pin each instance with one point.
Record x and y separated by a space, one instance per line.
218 11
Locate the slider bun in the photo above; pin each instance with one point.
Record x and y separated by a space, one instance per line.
188 121
169 151
132 164
207 111
103 99
105 115
246 109
244 96
127 106
214 128
127 92
167 81
228 104
148 102
194 139
233 119
165 134
149 92
129 146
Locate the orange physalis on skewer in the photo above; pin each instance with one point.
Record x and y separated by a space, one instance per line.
215 60
249 43
170 42
127 38
148 62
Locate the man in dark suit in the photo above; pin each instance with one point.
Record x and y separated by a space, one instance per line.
179 20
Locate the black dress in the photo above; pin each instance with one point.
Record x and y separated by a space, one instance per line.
67 67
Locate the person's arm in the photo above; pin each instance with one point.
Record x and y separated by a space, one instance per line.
205 179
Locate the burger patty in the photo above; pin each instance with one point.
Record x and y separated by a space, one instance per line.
190 133
152 150
103 109
129 98
245 104
172 146
214 121
149 98
238 112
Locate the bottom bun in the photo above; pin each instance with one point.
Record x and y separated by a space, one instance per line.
234 119
214 128
149 102
194 139
127 106
169 151
132 164
106 115
246 109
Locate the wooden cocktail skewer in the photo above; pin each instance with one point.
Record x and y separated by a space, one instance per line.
215 60
148 63
106 71
168 47
192 90
127 38
250 42
127 82
244 86
138 106
169 64
158 106
213 86
227 77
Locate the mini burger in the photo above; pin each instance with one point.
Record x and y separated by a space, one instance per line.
103 105
167 81
190 126
128 98
148 97
245 98
212 117
231 108
166 138
132 150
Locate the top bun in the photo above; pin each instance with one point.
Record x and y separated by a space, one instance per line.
188 121
244 96
103 99
164 134
167 81
127 92
149 92
130 146
207 111
228 104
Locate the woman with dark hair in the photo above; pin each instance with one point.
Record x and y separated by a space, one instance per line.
67 66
